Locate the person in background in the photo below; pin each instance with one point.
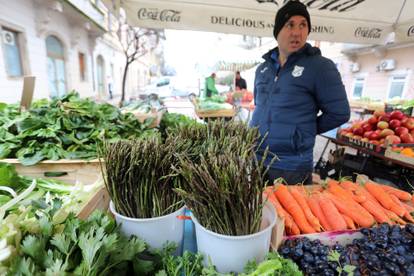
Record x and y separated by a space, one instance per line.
298 94
240 82
210 86
110 87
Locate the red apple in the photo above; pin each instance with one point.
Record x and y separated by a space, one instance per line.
404 120
401 130
366 127
382 125
358 131
392 139
386 132
407 138
409 123
385 118
375 142
367 134
397 114
373 120
356 125
374 136
378 131
395 123
343 132
378 113
365 139
357 137
412 132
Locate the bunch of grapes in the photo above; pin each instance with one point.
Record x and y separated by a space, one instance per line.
382 250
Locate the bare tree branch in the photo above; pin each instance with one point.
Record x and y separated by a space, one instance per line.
136 43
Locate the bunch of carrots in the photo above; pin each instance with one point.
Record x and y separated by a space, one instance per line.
339 205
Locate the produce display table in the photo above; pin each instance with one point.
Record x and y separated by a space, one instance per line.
212 114
372 162
332 137
221 113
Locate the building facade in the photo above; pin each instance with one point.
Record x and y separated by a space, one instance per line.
66 46
379 72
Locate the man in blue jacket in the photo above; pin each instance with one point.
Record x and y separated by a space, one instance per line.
298 94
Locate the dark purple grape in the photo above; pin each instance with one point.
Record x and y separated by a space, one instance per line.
409 228
308 257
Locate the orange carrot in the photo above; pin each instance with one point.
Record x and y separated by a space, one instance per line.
393 217
292 207
376 211
354 189
334 218
335 189
300 198
294 229
289 223
407 214
384 198
317 211
407 207
374 201
402 195
355 211
360 215
349 222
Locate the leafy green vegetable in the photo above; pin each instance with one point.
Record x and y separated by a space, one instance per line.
91 247
8 175
67 127
273 264
334 256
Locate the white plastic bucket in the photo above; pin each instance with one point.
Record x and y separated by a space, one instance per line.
154 231
231 253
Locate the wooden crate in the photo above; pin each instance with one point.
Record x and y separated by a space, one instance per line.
83 171
215 113
72 171
99 201
398 156
225 113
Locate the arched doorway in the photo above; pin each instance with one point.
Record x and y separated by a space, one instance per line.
100 75
56 66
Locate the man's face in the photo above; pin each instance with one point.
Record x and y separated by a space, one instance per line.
293 35
237 76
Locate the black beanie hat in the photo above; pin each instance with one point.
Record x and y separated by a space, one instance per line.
288 10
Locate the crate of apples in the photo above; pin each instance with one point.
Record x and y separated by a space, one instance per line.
382 129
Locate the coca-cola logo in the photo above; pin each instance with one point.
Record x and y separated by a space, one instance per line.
330 5
366 32
410 31
159 15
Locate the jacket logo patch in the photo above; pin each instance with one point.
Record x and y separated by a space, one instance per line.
263 70
297 71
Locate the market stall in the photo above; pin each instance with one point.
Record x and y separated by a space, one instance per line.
336 227
383 145
212 108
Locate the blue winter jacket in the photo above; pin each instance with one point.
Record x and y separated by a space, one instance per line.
295 102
